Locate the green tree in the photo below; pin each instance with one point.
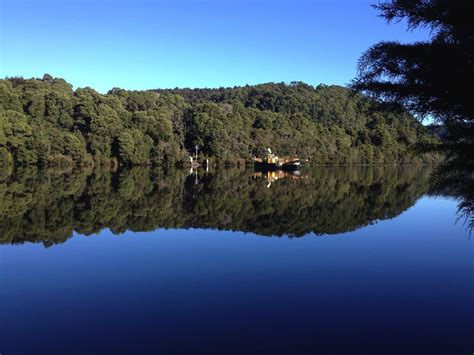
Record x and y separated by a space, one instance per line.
134 147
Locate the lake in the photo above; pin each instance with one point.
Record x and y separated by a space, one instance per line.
360 260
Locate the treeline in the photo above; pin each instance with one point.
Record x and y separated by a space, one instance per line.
42 205
45 122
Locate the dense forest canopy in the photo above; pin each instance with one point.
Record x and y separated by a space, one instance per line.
47 205
45 122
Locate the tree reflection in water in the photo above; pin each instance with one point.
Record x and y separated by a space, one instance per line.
456 178
48 206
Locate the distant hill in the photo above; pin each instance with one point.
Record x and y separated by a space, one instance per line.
45 122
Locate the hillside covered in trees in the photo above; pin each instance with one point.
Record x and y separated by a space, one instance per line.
45 122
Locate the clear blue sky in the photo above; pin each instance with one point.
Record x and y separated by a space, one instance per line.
183 43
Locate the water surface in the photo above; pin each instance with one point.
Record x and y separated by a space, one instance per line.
336 260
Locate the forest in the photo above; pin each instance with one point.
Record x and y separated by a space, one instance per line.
45 122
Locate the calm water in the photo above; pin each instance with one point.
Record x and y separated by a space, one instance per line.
351 261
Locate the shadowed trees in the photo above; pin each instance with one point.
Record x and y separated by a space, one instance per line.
430 78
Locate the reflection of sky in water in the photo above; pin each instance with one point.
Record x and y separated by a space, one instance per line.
403 285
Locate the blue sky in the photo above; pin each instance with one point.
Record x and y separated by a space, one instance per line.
183 43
